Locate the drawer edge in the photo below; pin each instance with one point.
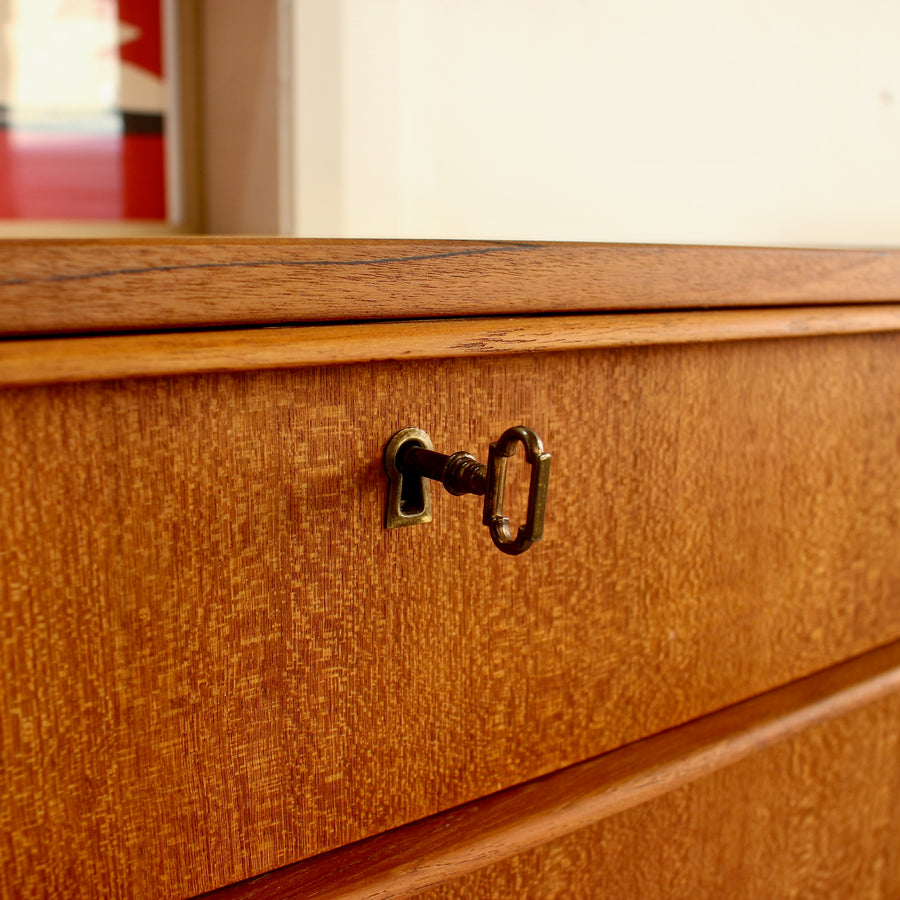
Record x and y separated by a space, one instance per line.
64 360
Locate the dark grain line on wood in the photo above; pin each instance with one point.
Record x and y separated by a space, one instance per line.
262 263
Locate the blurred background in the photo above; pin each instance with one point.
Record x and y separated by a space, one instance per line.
750 122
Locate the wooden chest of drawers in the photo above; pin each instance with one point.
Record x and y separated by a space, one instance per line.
218 662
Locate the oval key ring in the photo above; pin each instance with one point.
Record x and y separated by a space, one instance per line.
499 453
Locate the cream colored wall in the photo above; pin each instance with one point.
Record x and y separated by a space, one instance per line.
744 121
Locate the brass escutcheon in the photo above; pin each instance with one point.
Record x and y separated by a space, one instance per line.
409 495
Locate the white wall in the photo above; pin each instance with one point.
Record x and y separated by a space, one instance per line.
738 121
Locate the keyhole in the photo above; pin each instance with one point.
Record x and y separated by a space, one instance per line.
412 489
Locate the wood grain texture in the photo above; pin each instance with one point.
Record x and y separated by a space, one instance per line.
459 842
55 287
816 816
71 359
215 661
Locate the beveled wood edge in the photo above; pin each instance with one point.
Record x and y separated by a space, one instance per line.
80 286
43 361
448 845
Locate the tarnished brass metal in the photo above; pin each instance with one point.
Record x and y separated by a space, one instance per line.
409 494
533 529
410 461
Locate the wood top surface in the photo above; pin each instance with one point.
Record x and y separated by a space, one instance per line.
99 285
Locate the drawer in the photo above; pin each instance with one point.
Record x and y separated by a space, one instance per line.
217 661
723 800
742 832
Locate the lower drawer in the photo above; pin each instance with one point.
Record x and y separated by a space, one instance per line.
816 816
216 661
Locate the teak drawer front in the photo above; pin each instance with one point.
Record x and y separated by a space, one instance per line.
216 661
747 831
